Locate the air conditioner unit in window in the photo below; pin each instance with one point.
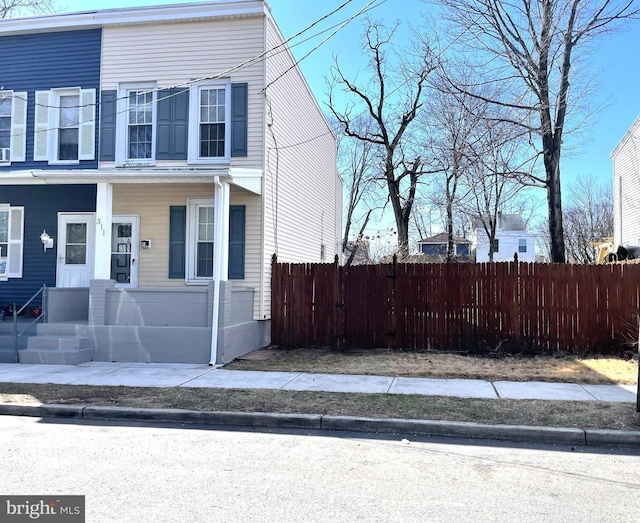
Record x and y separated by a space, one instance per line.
5 154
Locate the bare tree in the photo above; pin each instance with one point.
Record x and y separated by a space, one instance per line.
357 161
530 47
393 110
10 8
588 218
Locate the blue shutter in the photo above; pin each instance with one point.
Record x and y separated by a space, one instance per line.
108 112
173 122
239 113
177 240
237 217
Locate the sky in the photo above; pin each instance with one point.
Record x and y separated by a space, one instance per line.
616 61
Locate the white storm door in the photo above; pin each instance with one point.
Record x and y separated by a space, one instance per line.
124 250
76 246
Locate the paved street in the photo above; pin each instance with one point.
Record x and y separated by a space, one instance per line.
168 474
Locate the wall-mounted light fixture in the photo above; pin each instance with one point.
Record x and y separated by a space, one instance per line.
47 241
145 244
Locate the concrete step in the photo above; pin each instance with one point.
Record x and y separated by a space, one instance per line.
55 357
8 341
8 355
61 329
57 343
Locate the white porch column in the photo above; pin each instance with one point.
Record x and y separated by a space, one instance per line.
104 217
220 257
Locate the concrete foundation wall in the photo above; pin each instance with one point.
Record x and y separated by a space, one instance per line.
236 340
65 304
165 307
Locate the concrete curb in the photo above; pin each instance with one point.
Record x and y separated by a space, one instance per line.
456 429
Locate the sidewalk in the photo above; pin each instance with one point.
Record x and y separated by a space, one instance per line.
193 375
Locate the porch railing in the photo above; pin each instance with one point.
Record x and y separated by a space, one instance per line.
41 317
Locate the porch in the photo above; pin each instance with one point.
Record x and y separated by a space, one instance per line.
155 325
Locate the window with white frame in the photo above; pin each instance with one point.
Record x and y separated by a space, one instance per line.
201 231
13 124
11 241
522 245
495 245
6 103
136 122
64 129
209 122
68 133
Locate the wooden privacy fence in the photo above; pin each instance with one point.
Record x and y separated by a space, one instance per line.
475 307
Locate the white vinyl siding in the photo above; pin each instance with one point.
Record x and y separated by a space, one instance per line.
13 127
11 241
626 193
64 128
162 54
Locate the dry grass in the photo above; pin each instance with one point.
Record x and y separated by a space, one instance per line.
386 362
586 414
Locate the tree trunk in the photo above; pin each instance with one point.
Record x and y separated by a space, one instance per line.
554 201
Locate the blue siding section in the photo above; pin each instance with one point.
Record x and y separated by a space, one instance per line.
39 62
41 206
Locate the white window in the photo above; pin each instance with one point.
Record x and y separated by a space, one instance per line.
209 123
136 125
495 245
200 236
11 239
13 120
65 125
522 245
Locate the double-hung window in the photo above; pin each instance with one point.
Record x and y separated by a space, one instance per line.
522 245
136 125
210 127
65 125
11 239
13 120
201 231
495 245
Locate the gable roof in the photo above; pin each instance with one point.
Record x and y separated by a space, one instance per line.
506 222
443 237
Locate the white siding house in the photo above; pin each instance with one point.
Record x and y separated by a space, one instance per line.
626 188
511 238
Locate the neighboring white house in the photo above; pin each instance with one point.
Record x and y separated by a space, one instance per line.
626 188
511 238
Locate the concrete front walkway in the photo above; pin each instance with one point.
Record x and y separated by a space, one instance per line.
191 375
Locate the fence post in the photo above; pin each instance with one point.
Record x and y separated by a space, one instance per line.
517 300
638 391
337 303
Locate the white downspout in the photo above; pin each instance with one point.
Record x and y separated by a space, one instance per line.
217 265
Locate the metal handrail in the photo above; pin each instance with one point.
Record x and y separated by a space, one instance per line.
42 316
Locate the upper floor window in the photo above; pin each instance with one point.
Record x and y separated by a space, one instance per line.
136 125
13 118
522 245
495 245
140 125
210 107
65 125
68 127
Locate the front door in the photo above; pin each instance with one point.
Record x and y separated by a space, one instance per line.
124 250
76 235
